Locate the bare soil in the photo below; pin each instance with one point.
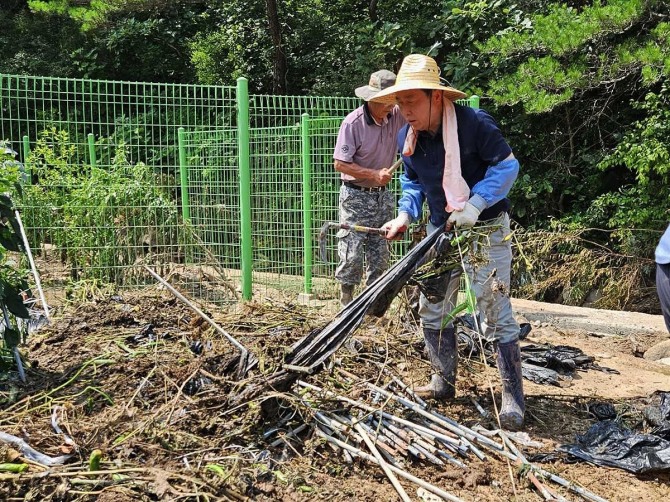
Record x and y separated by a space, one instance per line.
140 377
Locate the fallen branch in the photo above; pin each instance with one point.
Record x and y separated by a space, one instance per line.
30 453
247 360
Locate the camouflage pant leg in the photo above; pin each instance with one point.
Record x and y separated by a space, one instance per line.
357 249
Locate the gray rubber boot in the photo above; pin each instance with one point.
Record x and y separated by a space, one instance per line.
509 365
443 354
347 294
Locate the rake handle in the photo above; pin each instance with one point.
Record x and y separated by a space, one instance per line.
395 165
360 228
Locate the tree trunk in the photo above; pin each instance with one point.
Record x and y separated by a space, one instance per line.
279 58
372 10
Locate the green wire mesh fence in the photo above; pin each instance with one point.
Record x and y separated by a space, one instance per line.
325 189
105 189
210 197
109 191
222 192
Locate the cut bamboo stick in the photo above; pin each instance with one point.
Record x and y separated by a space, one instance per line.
382 463
402 473
33 268
247 359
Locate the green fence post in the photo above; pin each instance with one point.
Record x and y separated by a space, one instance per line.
26 153
474 101
91 148
306 201
242 97
183 175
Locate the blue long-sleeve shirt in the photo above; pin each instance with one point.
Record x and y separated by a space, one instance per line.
663 248
483 167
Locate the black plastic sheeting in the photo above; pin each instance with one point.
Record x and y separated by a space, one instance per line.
602 411
541 375
659 416
309 353
609 443
544 364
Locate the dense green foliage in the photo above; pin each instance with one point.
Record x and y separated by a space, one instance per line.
101 219
580 88
589 85
12 277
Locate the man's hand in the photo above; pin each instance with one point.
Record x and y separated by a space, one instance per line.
382 177
463 219
395 227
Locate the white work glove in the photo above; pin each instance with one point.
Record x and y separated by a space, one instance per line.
465 218
395 227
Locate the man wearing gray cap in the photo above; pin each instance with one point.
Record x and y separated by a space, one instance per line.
365 149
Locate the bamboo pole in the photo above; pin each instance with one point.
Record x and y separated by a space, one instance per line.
588 495
33 268
384 414
481 438
404 474
521 462
450 425
247 360
382 463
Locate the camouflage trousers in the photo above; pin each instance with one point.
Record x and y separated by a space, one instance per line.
358 249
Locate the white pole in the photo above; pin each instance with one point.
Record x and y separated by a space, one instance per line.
24 237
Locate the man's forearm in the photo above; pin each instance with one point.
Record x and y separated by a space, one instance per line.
411 198
355 170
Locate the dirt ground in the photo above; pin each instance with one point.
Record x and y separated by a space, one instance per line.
141 378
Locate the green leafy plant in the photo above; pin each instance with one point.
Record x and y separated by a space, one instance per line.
101 218
52 165
12 278
115 216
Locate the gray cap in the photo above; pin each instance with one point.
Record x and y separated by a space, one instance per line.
379 80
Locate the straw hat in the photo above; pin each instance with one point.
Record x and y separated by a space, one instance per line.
417 72
379 80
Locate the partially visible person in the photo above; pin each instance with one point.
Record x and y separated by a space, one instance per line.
457 160
663 275
364 152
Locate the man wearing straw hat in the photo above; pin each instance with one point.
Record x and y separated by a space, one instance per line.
365 149
457 160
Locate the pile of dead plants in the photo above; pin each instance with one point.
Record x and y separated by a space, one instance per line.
572 268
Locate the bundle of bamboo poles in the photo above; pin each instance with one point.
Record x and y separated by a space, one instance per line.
308 355
395 428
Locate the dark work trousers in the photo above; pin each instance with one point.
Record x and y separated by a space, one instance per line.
663 288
